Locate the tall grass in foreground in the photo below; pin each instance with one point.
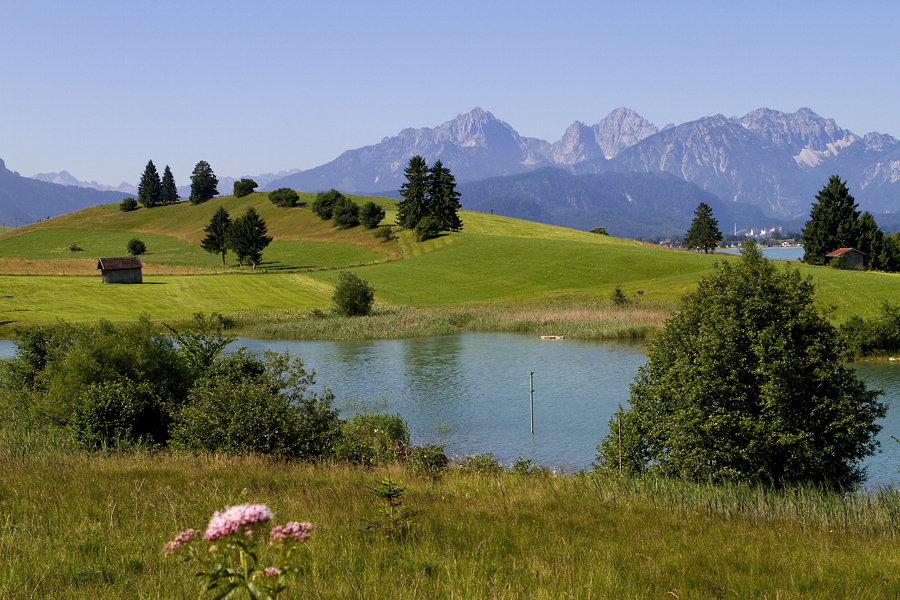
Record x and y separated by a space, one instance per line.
95 525
583 320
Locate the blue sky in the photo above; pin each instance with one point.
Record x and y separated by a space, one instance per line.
99 88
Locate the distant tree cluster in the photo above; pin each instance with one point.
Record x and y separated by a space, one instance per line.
246 236
244 187
834 223
428 193
346 213
203 183
155 192
284 197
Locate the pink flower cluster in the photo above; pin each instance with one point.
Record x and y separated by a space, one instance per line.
236 518
292 531
181 540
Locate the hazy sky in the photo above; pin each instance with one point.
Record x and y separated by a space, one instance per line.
99 88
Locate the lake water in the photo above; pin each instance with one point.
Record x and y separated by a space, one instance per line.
776 253
471 392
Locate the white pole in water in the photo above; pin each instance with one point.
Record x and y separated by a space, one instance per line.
531 380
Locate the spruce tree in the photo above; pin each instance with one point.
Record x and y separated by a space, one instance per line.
247 237
216 238
149 189
203 183
443 201
168 192
833 222
704 231
413 207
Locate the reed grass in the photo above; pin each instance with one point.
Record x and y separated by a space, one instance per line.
95 525
583 319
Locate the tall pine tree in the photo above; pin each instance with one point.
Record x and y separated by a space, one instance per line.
216 240
443 201
704 231
203 183
149 189
833 222
168 193
413 207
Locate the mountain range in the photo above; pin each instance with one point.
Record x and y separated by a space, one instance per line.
774 160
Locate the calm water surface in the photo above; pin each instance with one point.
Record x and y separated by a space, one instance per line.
471 392
776 253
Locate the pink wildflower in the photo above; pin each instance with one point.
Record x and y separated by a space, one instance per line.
181 540
234 518
272 571
292 531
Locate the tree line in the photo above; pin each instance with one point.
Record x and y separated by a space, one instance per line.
153 191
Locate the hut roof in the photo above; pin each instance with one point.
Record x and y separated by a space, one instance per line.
841 252
124 262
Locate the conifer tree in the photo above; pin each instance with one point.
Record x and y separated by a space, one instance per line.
216 238
413 207
168 192
247 237
704 232
443 200
203 183
833 222
149 188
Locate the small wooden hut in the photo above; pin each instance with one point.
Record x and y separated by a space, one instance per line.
126 269
854 260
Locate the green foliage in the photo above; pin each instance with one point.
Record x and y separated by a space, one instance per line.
128 205
168 193
216 240
353 297
427 228
74 247
599 230
704 231
371 215
412 208
832 222
428 460
203 183
135 247
866 336
323 205
372 439
150 187
480 464
618 296
203 342
345 213
285 197
394 520
385 234
118 414
247 238
244 187
523 467
443 199
747 381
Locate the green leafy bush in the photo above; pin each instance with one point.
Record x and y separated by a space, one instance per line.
244 187
285 197
385 234
323 205
428 460
371 215
136 247
128 205
353 297
345 213
118 414
428 228
372 439
480 464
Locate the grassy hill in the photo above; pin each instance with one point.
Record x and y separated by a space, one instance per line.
494 260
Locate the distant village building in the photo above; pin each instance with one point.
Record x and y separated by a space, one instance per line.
126 269
854 260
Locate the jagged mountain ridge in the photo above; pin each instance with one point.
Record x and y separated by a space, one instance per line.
771 159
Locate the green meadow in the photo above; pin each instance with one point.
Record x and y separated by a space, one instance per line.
493 261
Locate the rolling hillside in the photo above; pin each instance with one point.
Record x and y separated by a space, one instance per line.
493 260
